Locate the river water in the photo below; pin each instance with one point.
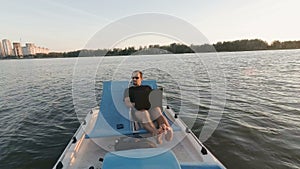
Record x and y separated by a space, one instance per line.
244 106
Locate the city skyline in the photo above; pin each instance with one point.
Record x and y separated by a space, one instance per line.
64 25
10 49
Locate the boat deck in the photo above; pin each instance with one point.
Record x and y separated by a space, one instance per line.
92 150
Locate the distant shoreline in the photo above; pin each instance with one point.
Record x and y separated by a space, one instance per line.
7 59
227 46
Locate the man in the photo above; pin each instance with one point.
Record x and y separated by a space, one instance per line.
137 98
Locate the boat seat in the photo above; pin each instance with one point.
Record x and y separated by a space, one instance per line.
141 158
114 118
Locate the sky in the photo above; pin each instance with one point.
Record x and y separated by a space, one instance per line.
68 25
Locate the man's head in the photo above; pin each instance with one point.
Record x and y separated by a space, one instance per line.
137 77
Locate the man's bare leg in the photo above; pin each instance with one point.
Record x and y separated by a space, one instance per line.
162 123
144 117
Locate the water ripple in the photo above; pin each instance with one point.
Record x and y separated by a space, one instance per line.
259 126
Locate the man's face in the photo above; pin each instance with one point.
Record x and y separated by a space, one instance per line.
136 79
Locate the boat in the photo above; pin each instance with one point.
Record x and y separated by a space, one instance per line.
109 138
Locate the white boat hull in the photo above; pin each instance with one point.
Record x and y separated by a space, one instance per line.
84 152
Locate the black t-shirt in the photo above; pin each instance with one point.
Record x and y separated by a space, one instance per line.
140 96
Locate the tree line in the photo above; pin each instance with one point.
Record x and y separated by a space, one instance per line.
226 46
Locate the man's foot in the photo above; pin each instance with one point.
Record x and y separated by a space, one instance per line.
168 131
169 134
159 139
160 130
159 135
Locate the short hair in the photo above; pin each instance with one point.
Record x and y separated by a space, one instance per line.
138 71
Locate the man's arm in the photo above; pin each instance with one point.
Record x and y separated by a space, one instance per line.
128 103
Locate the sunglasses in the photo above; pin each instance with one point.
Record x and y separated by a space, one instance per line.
135 77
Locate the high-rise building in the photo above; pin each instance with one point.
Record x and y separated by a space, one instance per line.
41 50
7 47
2 54
24 51
30 48
17 49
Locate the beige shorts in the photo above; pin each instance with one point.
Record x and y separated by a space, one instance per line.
146 116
